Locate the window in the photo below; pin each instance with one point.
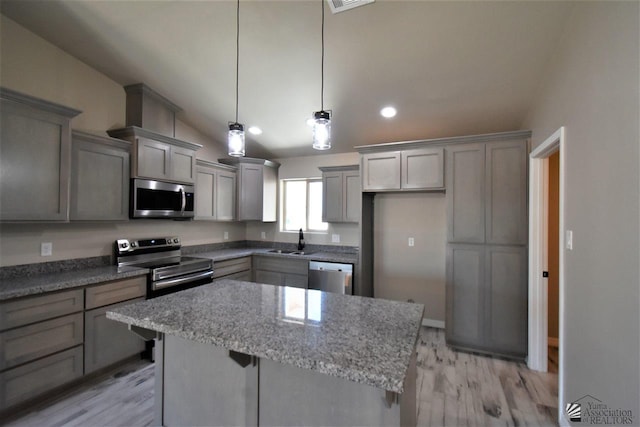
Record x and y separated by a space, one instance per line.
302 205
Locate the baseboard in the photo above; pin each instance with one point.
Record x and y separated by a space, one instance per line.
433 323
553 342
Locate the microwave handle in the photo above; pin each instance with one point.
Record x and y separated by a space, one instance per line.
184 199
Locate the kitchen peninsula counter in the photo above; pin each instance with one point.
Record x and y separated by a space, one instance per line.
325 256
306 347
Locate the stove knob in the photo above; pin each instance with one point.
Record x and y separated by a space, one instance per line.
133 244
176 240
123 245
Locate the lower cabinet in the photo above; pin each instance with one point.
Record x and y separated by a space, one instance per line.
282 271
236 268
52 339
32 379
107 342
486 302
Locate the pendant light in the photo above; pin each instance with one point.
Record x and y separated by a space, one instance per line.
322 118
236 130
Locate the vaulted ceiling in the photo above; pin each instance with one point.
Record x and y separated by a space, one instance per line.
449 67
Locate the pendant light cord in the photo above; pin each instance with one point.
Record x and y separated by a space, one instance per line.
237 55
322 62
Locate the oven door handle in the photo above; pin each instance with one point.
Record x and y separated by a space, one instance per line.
184 200
181 280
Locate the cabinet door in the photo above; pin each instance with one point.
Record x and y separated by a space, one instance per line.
182 164
465 295
153 159
250 192
423 169
225 196
352 197
269 277
99 182
506 299
506 185
205 199
381 171
296 281
333 197
106 341
465 193
34 164
269 194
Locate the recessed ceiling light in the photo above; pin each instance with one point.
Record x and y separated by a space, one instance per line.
388 112
255 130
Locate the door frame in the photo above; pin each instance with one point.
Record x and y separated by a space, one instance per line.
538 224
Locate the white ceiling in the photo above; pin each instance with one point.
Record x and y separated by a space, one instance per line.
450 68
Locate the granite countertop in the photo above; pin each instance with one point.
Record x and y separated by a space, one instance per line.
49 282
225 254
365 340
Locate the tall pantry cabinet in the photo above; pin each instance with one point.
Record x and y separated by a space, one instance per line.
487 233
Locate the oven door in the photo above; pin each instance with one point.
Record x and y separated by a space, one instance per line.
179 283
159 199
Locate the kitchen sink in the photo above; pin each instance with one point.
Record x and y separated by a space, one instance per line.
287 252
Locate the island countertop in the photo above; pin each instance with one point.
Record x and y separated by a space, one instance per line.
365 340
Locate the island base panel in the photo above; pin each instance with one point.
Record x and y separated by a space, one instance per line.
202 385
292 396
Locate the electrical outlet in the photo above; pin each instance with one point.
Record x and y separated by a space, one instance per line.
411 241
46 249
226 235
335 238
263 235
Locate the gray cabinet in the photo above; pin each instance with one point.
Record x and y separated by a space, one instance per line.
107 342
215 191
406 170
237 268
257 188
486 293
157 156
282 271
99 178
34 158
341 193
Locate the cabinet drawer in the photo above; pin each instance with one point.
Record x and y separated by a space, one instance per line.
282 265
25 344
114 292
34 309
244 276
106 341
27 381
231 266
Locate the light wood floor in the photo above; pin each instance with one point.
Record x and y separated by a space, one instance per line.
453 388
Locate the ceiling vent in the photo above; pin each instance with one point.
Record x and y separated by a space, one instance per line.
342 5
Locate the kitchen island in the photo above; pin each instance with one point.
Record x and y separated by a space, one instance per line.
240 353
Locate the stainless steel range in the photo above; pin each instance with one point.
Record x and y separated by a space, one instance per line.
170 271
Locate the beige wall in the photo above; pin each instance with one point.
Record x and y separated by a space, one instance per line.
592 88
31 65
307 167
402 272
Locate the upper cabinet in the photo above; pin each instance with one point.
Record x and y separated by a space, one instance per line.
410 169
341 193
215 191
157 156
257 192
487 193
99 178
34 158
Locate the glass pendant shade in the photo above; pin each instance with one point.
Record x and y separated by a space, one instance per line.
322 130
236 140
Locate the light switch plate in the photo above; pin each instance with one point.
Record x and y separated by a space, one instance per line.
226 235
46 249
335 238
263 235
411 241
569 240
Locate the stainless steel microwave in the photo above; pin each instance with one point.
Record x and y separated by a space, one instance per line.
159 199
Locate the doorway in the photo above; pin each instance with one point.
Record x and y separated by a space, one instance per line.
539 243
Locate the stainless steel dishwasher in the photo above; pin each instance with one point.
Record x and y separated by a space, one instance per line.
331 277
